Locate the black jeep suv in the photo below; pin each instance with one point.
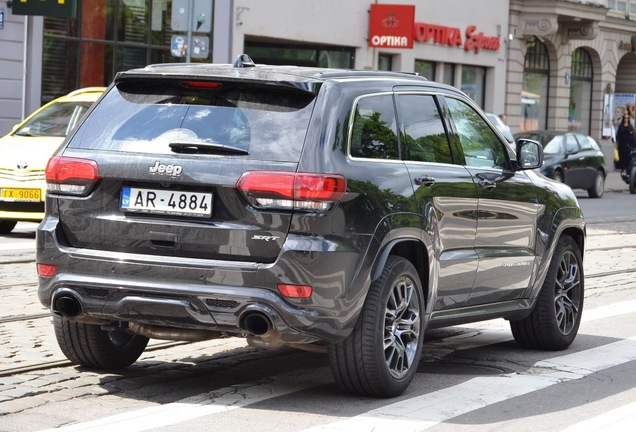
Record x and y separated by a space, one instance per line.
334 210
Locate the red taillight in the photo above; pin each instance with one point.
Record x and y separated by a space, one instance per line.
295 291
288 190
46 270
71 176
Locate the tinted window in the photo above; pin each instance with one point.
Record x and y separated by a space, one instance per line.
571 145
374 129
584 142
269 124
424 137
480 144
554 146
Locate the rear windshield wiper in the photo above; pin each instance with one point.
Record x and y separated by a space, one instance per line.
205 147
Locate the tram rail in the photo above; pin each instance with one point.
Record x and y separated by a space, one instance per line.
5 372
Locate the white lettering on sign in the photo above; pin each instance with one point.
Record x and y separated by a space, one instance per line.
390 41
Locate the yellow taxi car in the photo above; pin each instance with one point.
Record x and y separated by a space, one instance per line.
25 151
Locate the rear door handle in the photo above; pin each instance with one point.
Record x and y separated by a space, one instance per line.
425 181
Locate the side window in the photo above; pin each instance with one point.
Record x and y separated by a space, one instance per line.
481 146
374 130
584 142
423 135
571 145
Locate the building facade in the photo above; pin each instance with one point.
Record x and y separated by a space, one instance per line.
545 63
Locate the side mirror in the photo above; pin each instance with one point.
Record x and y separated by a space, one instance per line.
529 154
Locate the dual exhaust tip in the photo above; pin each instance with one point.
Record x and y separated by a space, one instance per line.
68 306
254 322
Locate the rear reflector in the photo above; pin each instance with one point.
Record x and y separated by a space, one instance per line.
71 176
288 190
46 270
295 291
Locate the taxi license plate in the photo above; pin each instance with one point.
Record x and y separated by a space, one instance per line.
166 202
14 194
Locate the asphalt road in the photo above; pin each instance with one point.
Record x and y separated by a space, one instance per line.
472 378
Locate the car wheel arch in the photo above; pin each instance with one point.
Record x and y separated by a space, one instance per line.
558 175
563 228
411 249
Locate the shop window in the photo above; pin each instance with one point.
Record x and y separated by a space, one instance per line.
580 107
426 69
449 74
300 55
620 5
385 62
106 37
534 92
473 83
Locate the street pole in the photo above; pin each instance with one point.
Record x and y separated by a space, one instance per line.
190 16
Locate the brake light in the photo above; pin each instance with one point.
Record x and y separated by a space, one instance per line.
71 176
288 190
202 84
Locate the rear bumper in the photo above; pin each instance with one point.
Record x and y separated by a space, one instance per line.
205 294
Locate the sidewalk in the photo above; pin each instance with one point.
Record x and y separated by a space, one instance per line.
613 182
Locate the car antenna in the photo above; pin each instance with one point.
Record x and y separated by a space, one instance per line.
243 61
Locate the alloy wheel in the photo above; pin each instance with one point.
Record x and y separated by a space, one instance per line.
402 325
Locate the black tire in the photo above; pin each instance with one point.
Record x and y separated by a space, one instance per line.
632 181
88 345
381 355
597 190
6 226
557 176
555 320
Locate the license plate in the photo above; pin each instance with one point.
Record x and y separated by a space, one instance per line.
13 194
166 202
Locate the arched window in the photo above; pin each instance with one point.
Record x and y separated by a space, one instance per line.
536 80
579 114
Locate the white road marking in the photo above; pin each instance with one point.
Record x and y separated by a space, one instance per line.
218 401
418 413
619 419
29 244
422 412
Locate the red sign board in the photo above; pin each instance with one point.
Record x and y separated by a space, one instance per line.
391 26
470 39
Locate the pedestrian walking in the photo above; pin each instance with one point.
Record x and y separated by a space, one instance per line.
624 140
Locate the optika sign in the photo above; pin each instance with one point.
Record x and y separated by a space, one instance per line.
394 26
391 26
452 36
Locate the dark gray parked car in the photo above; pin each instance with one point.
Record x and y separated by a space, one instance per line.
571 158
332 210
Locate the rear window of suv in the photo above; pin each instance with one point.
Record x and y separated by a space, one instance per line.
269 124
